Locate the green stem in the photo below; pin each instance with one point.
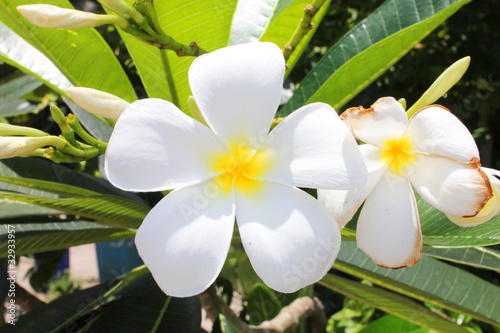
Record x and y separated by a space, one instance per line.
168 42
161 315
170 79
303 27
66 131
56 156
74 123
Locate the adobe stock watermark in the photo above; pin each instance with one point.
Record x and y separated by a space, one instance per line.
11 274
301 271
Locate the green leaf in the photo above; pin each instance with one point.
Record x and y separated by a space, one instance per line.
283 26
16 107
281 6
368 49
48 317
52 187
18 53
250 20
44 170
439 231
57 235
391 303
481 257
107 209
18 87
390 323
147 309
262 304
429 280
81 55
206 22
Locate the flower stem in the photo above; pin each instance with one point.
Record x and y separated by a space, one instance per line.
303 27
67 132
167 41
170 79
74 123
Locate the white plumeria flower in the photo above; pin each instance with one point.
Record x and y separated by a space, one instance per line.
433 151
489 210
234 168
98 102
48 16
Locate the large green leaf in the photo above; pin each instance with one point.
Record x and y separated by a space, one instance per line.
370 48
262 304
391 303
481 257
283 26
61 234
19 53
390 323
107 209
51 187
81 55
429 280
147 309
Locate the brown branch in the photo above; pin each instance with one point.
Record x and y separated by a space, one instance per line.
291 316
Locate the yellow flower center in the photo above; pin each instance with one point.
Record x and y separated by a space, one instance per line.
240 167
398 153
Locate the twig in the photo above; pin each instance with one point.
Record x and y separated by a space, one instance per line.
303 27
291 316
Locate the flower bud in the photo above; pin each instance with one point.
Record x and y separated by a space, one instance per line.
48 16
98 102
442 84
12 130
12 146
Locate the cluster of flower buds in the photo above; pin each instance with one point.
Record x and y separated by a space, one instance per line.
26 141
139 20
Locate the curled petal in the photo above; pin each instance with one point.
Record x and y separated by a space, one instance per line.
435 130
185 238
290 239
453 188
155 147
489 210
389 227
343 204
238 89
386 119
313 148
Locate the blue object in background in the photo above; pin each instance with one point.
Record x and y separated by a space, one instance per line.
116 257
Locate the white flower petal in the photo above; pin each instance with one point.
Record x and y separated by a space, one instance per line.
343 204
386 119
313 148
453 188
238 89
489 210
435 130
290 239
155 146
389 227
185 238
